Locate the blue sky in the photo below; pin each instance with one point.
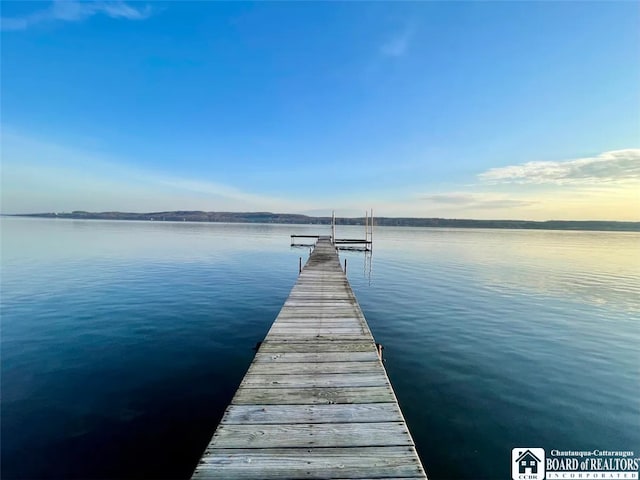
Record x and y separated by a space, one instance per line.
522 110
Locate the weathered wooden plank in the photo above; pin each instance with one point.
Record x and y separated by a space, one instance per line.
264 368
352 463
293 333
312 435
291 380
335 328
294 330
353 334
315 357
291 346
317 317
337 332
327 300
312 396
319 314
312 287
321 341
339 291
329 304
369 452
314 310
320 337
306 414
325 314
311 323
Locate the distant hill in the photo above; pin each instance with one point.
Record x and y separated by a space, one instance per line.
287 218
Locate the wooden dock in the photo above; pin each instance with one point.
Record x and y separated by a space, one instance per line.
316 401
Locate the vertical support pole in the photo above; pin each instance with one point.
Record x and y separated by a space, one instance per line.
333 227
366 226
371 234
345 266
299 265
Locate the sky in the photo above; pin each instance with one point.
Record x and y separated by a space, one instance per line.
481 109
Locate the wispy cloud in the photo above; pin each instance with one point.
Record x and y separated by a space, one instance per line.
616 166
211 189
43 176
472 201
397 44
76 11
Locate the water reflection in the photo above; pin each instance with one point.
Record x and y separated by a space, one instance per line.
594 267
123 341
21 238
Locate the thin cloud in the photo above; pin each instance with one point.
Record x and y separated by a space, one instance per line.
66 178
616 166
397 45
214 189
475 200
75 11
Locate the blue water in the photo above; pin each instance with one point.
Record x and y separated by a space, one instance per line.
123 342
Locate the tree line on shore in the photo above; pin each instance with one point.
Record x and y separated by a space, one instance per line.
287 218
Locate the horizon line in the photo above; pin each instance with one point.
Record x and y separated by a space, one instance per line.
328 216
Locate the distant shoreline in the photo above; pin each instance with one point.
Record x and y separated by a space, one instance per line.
295 219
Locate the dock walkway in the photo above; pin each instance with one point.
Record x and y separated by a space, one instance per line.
316 401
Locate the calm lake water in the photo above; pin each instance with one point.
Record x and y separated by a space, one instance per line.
123 342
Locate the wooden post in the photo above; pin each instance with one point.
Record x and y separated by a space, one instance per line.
345 265
300 265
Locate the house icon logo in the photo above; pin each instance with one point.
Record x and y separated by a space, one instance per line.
527 464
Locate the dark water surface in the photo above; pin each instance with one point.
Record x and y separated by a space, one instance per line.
123 342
